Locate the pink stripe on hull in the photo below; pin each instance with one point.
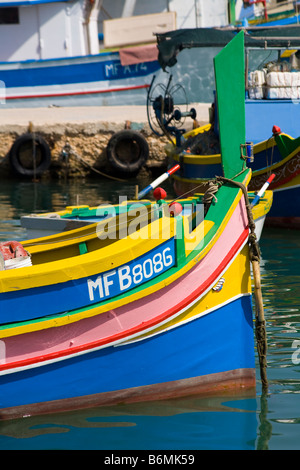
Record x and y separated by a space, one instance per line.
141 313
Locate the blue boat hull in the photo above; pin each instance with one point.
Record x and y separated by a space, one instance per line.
209 351
262 115
91 80
285 211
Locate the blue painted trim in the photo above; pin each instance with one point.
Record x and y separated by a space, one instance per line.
20 3
262 115
95 57
63 74
217 342
265 158
282 22
22 305
194 170
286 203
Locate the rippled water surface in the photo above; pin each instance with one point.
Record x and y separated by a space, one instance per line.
269 421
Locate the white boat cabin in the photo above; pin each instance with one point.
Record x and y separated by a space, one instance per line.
49 29
39 29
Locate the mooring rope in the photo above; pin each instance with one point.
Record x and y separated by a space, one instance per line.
210 195
68 150
254 254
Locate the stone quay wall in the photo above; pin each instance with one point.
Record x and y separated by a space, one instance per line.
86 132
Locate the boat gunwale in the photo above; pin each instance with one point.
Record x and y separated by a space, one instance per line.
9 279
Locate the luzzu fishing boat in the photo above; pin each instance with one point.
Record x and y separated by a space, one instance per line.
272 72
71 218
150 307
272 94
41 69
68 221
279 155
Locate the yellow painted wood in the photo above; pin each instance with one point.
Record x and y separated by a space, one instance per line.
264 206
113 255
193 239
237 282
270 168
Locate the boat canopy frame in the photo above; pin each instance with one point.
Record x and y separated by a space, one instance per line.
171 43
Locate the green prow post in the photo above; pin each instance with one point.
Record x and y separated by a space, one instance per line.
229 67
230 85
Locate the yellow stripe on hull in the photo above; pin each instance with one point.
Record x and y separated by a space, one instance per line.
264 207
279 164
237 282
63 270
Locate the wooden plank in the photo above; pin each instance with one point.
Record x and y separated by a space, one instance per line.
230 86
137 29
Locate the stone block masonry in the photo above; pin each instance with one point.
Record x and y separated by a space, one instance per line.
86 131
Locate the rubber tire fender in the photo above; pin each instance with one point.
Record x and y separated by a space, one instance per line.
127 138
44 151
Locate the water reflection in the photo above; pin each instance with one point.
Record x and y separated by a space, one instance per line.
281 292
190 423
25 197
265 427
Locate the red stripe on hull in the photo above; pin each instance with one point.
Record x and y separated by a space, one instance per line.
76 93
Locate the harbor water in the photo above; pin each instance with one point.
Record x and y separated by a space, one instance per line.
260 422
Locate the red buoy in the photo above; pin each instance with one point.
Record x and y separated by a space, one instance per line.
276 130
159 193
175 208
